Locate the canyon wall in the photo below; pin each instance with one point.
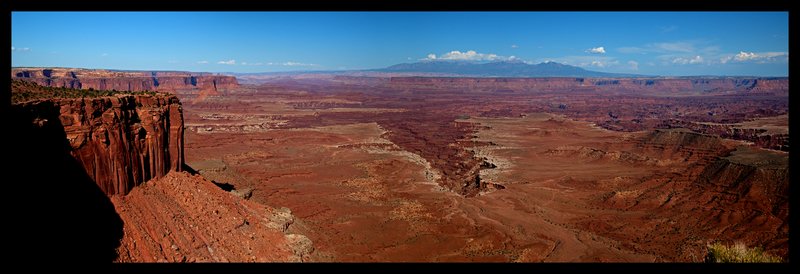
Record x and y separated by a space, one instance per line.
662 85
173 81
120 141
758 136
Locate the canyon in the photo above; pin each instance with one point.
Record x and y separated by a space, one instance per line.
506 169
384 168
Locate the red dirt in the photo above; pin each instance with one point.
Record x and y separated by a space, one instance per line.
414 169
381 172
185 218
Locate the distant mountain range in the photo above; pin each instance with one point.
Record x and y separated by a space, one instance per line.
459 68
499 69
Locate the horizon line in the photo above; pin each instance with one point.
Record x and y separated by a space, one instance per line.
372 70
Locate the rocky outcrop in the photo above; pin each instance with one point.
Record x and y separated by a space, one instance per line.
759 136
743 197
682 144
713 190
120 141
776 85
760 180
186 218
173 81
108 171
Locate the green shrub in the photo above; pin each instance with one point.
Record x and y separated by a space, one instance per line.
738 253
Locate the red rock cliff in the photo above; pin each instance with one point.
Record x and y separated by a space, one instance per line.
661 85
120 141
174 81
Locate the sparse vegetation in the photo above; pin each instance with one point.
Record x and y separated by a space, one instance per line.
738 253
23 91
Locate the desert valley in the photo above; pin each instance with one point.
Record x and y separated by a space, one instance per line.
439 136
201 167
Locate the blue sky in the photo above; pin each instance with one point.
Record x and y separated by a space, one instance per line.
655 43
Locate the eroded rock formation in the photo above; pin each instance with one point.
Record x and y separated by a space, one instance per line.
108 169
120 141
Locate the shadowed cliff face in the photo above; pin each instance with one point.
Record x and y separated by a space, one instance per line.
119 141
73 220
86 162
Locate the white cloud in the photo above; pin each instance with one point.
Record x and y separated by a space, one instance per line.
634 65
229 62
746 56
104 54
514 46
758 57
470 55
683 61
19 49
597 50
202 62
297 64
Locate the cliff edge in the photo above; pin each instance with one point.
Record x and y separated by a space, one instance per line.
121 141
172 81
